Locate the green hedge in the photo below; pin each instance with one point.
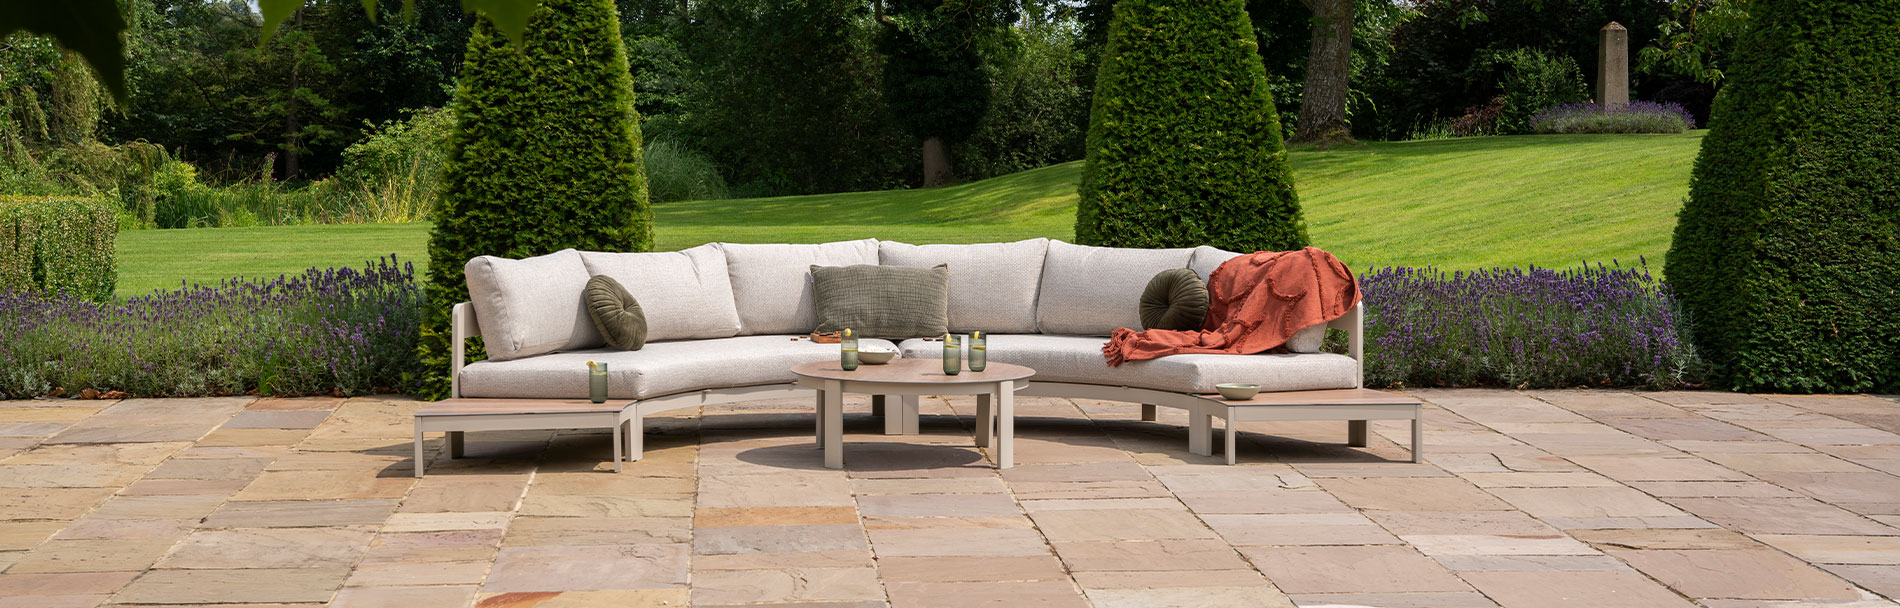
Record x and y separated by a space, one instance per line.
58 244
1787 254
1184 146
545 156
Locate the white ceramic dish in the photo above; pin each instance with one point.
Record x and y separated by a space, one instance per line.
875 356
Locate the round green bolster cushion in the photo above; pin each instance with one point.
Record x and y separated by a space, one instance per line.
1175 299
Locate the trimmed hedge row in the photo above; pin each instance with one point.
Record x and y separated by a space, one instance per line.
58 244
1787 256
1184 146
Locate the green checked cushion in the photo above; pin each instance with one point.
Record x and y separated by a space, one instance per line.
889 302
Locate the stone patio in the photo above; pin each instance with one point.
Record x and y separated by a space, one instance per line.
1528 500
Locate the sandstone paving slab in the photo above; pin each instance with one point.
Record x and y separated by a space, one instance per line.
60 413
575 531
209 468
1120 524
786 490
955 485
1710 489
23 535
938 505
294 403
1366 569
1531 563
31 429
256 585
444 573
322 485
1593 444
438 522
1739 574
1368 469
173 487
277 419
970 569
594 483
1055 490
92 556
1574 589
1262 501
1603 404
127 529
1629 523
1692 429
607 506
1821 549
1841 488
777 539
404 597
955 542
53 601
1808 436
1100 503
1699 447
1514 479
444 494
1393 600
1461 522
254 438
1881 579
1437 545
49 503
68 476
1039 594
852 558
625 598
652 566
1708 539
1806 462
786 585
90 583
1077 473
1407 494
1157 555
433 547
270 548
1782 516
158 433
1242 479
1585 502
1299 529
1208 588
180 506
1658 468
302 513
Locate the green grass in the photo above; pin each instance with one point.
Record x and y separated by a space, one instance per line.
1550 200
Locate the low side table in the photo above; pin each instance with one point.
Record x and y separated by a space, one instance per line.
1357 406
916 377
456 416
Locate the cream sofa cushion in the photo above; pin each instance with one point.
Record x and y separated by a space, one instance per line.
683 294
1078 359
771 284
531 306
1090 291
992 285
660 369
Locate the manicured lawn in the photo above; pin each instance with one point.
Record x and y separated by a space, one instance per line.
1456 204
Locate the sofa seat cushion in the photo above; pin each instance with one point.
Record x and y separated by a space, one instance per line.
660 369
771 284
1091 291
992 285
1079 359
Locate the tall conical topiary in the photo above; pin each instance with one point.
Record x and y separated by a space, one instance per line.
545 156
1787 254
1184 146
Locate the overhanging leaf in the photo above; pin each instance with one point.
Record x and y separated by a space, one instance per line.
92 28
275 12
509 16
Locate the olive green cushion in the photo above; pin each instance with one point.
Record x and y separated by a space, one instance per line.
889 302
1176 298
616 314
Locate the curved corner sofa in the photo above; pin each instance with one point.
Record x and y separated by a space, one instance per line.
725 323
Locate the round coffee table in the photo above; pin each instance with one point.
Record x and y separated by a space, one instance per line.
916 377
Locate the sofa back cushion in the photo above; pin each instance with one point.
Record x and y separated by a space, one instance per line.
1090 291
1206 259
992 285
771 284
531 306
685 295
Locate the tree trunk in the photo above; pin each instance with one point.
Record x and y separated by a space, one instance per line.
1328 65
937 170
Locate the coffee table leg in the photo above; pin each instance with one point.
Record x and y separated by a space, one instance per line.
818 434
985 423
834 424
1200 430
909 405
1231 427
877 407
1006 425
418 451
1356 433
893 416
619 444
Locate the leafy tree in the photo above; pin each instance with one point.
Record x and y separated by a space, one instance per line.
546 156
1184 146
934 76
1039 107
1787 254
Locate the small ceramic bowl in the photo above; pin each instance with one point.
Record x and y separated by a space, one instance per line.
875 356
1237 391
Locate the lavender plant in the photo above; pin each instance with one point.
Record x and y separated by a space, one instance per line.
1529 328
1634 117
331 331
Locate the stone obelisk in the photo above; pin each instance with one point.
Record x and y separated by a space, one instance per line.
1613 66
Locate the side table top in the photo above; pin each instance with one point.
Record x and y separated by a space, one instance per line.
1343 396
913 371
487 407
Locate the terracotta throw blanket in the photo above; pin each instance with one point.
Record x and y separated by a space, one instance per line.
1257 302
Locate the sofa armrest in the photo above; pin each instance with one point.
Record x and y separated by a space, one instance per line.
1354 324
462 326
